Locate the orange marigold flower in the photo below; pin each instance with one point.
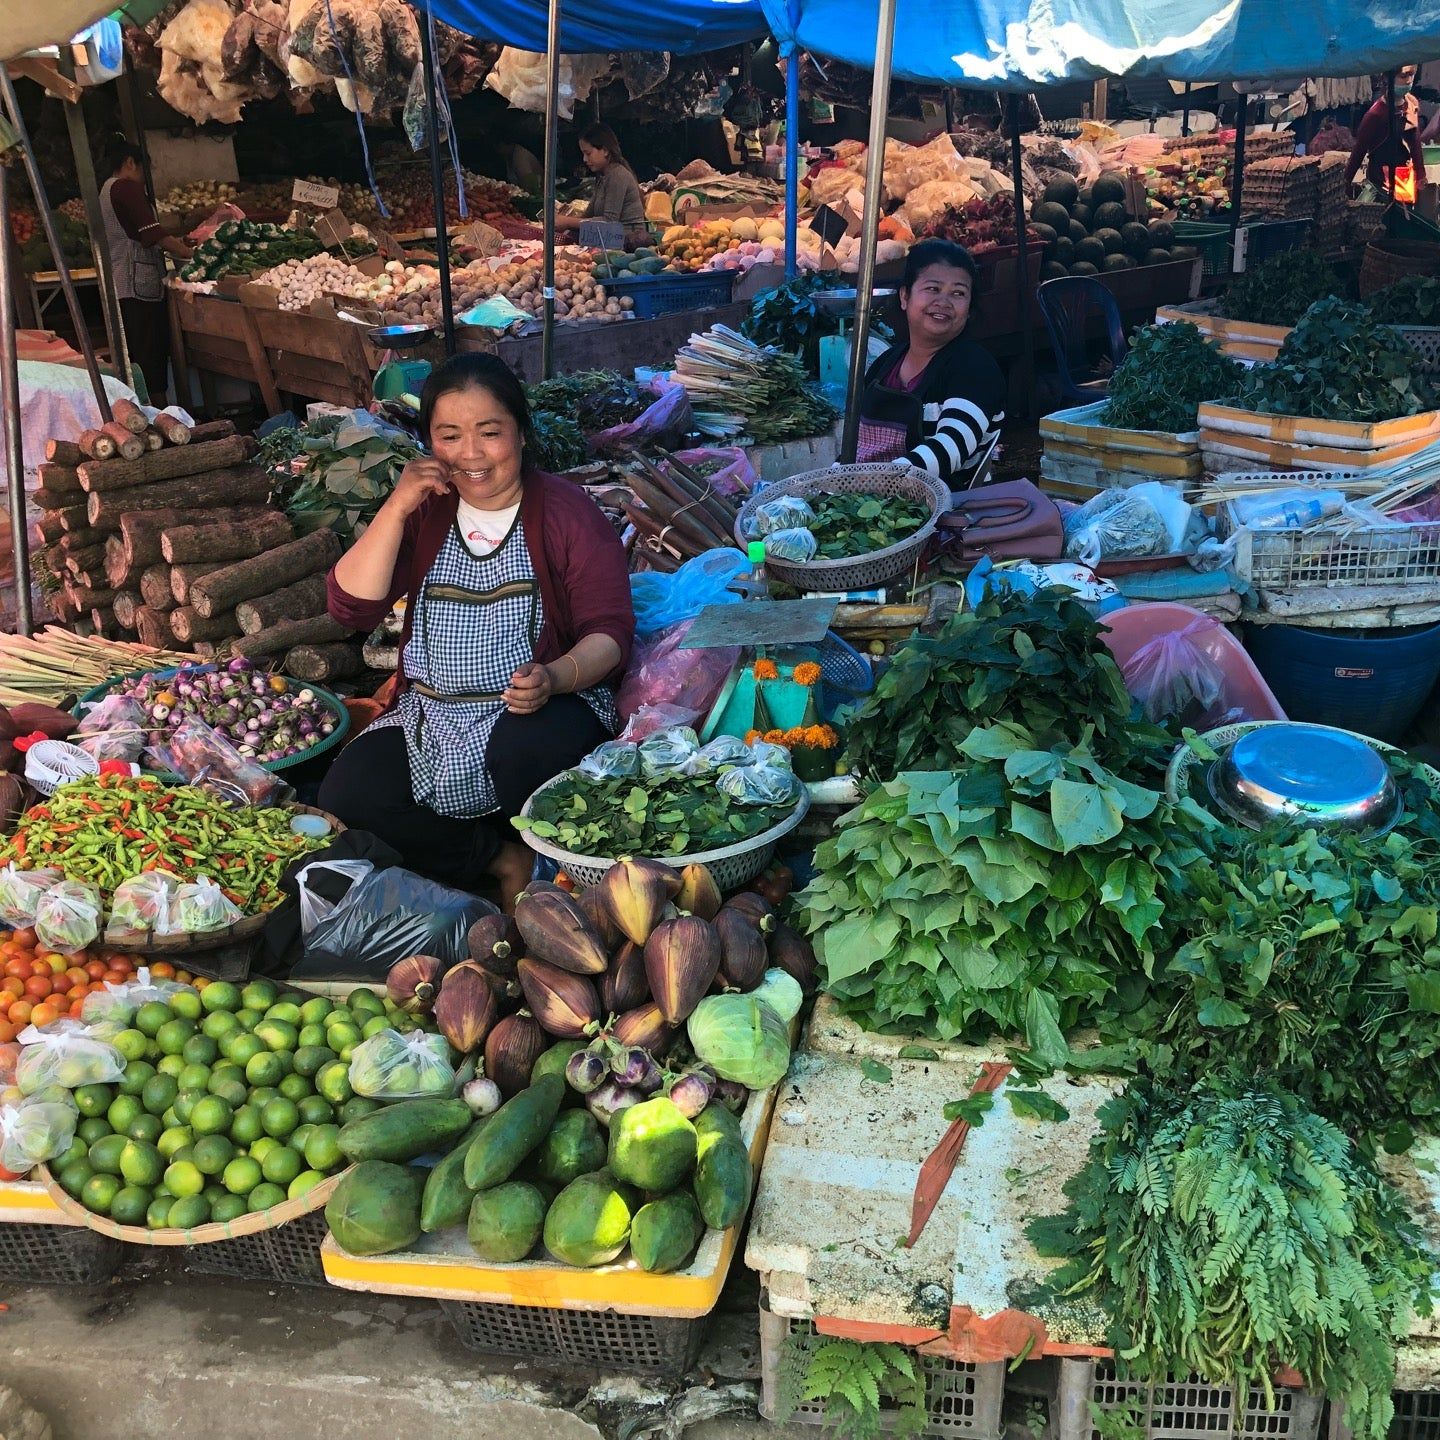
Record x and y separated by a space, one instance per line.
751 736
775 737
806 673
766 670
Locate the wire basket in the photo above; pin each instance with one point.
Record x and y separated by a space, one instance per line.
289 1254
852 572
731 865
1425 341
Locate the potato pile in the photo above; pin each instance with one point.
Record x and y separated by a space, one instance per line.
578 296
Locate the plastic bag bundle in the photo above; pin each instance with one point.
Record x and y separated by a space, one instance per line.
722 752
143 902
664 600
757 785
649 720
67 918
1172 675
1115 524
115 729
201 906
668 752
665 418
20 892
784 512
34 1132
613 760
662 672
797 545
205 759
735 477
67 1056
118 1003
392 1066
771 757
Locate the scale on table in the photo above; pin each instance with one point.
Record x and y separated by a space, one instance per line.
756 625
835 349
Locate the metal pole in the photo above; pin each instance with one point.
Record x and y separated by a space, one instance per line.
869 237
437 182
552 161
792 159
1238 178
1389 170
1022 276
1185 113
14 439
47 219
1100 100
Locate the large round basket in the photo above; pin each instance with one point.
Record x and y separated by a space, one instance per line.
854 572
333 703
1388 260
732 866
195 942
208 1234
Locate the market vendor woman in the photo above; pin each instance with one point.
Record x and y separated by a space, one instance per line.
617 192
518 623
936 398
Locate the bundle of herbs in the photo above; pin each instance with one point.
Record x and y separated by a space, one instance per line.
557 443
1231 1233
1415 300
595 400
1281 290
1165 375
1341 363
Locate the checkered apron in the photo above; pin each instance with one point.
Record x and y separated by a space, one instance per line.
476 622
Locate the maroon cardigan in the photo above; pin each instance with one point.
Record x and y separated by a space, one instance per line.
578 560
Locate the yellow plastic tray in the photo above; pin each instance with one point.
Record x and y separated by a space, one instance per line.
1081 426
1313 430
27 1202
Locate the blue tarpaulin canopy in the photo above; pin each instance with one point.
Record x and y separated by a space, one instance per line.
1012 44
602 26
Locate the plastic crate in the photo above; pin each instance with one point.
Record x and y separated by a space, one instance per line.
1177 1409
644 1344
1417 1417
665 294
289 1254
1267 238
1211 240
963 1398
1425 341
57 1254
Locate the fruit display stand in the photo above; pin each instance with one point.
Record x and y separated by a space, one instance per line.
1298 442
618 1315
1241 338
41 1244
1083 455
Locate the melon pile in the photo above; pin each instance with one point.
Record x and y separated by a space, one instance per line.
1087 231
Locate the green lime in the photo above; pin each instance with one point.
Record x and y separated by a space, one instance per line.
183 1178
132 1044
129 1205
212 1154
249 1019
220 995
333 1082
264 1069
175 1139
245 1128
262 1147
262 1096
157 1213
213 1192
241 1047
296 1087
185 1103
97 1127
310 1060
92 1100
304 1182
194 1077
354 1109
279 1117
298 1136
160 1093
146 1127
137 1072
141 1163
235 1091
185 1152
259 995
151 1016
227 1207
374 1026
310 1036
364 1002
277 1034
315 1110
172 1035
242 1175
170 1119
218 1025
322 1148
340 1015
189 1212
170 1065
104 1154
337 1037
187 1004
227 1070
286 1010
282 1165
76 1150
212 1116
262 1197
200 1050
74 1177
99 1192
314 1010
123 1109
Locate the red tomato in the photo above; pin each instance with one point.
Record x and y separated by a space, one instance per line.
37 987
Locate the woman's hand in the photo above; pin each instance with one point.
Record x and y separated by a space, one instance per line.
418 481
530 687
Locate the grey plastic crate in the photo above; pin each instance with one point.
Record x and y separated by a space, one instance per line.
1178 1409
963 1398
1417 1417
288 1254
58 1254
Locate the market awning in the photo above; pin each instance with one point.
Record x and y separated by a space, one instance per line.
596 27
1014 44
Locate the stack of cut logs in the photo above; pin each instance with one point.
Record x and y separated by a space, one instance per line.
163 530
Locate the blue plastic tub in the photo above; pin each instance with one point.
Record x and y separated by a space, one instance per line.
1370 681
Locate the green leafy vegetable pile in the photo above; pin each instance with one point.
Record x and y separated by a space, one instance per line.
1165 375
1229 1234
861 524
595 399
1281 290
557 442
1415 300
1341 363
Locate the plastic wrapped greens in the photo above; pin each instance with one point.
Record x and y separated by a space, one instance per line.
67 918
35 1131
1113 525
143 901
668 752
20 892
757 785
392 1066
614 760
785 512
772 757
796 545
723 750
201 906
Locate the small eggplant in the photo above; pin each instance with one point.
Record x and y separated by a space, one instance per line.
628 1065
586 1070
609 1100
731 1094
691 1092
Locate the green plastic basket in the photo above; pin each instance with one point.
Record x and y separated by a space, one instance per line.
1211 240
333 703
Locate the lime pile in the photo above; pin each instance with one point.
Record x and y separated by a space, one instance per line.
231 1101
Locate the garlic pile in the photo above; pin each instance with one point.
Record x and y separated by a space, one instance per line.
301 282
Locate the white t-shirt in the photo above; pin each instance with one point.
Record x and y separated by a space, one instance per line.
483 531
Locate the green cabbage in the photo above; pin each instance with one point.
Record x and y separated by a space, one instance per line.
740 1039
781 991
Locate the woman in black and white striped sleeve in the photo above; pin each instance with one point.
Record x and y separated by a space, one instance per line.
935 399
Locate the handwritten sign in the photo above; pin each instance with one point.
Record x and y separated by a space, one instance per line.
322 197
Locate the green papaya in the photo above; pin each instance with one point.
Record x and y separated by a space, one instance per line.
664 1233
589 1222
406 1129
652 265
376 1208
652 1145
447 1198
506 1222
515 1129
574 1147
722 1182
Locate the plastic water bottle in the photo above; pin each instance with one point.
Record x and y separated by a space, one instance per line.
759 586
1287 509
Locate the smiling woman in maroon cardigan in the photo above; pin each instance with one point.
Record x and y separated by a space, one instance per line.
518 622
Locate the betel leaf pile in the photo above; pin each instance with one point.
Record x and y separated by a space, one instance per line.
1415 300
846 525
1165 375
1228 1233
1280 290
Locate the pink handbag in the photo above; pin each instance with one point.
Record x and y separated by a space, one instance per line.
1012 521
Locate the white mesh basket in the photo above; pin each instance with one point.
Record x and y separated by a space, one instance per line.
853 572
49 763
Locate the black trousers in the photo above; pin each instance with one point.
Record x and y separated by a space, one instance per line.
147 337
368 787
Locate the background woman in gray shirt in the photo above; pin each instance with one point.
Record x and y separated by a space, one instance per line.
617 191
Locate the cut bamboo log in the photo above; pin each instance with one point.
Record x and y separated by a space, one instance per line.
321 630
104 475
182 577
243 485
127 446
143 531
177 432
153 439
208 430
130 415
319 663
62 479
291 602
127 602
155 587
153 628
97 445
64 452
284 565
188 543
188 625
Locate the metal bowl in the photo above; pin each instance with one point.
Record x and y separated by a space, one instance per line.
1290 771
400 337
842 302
